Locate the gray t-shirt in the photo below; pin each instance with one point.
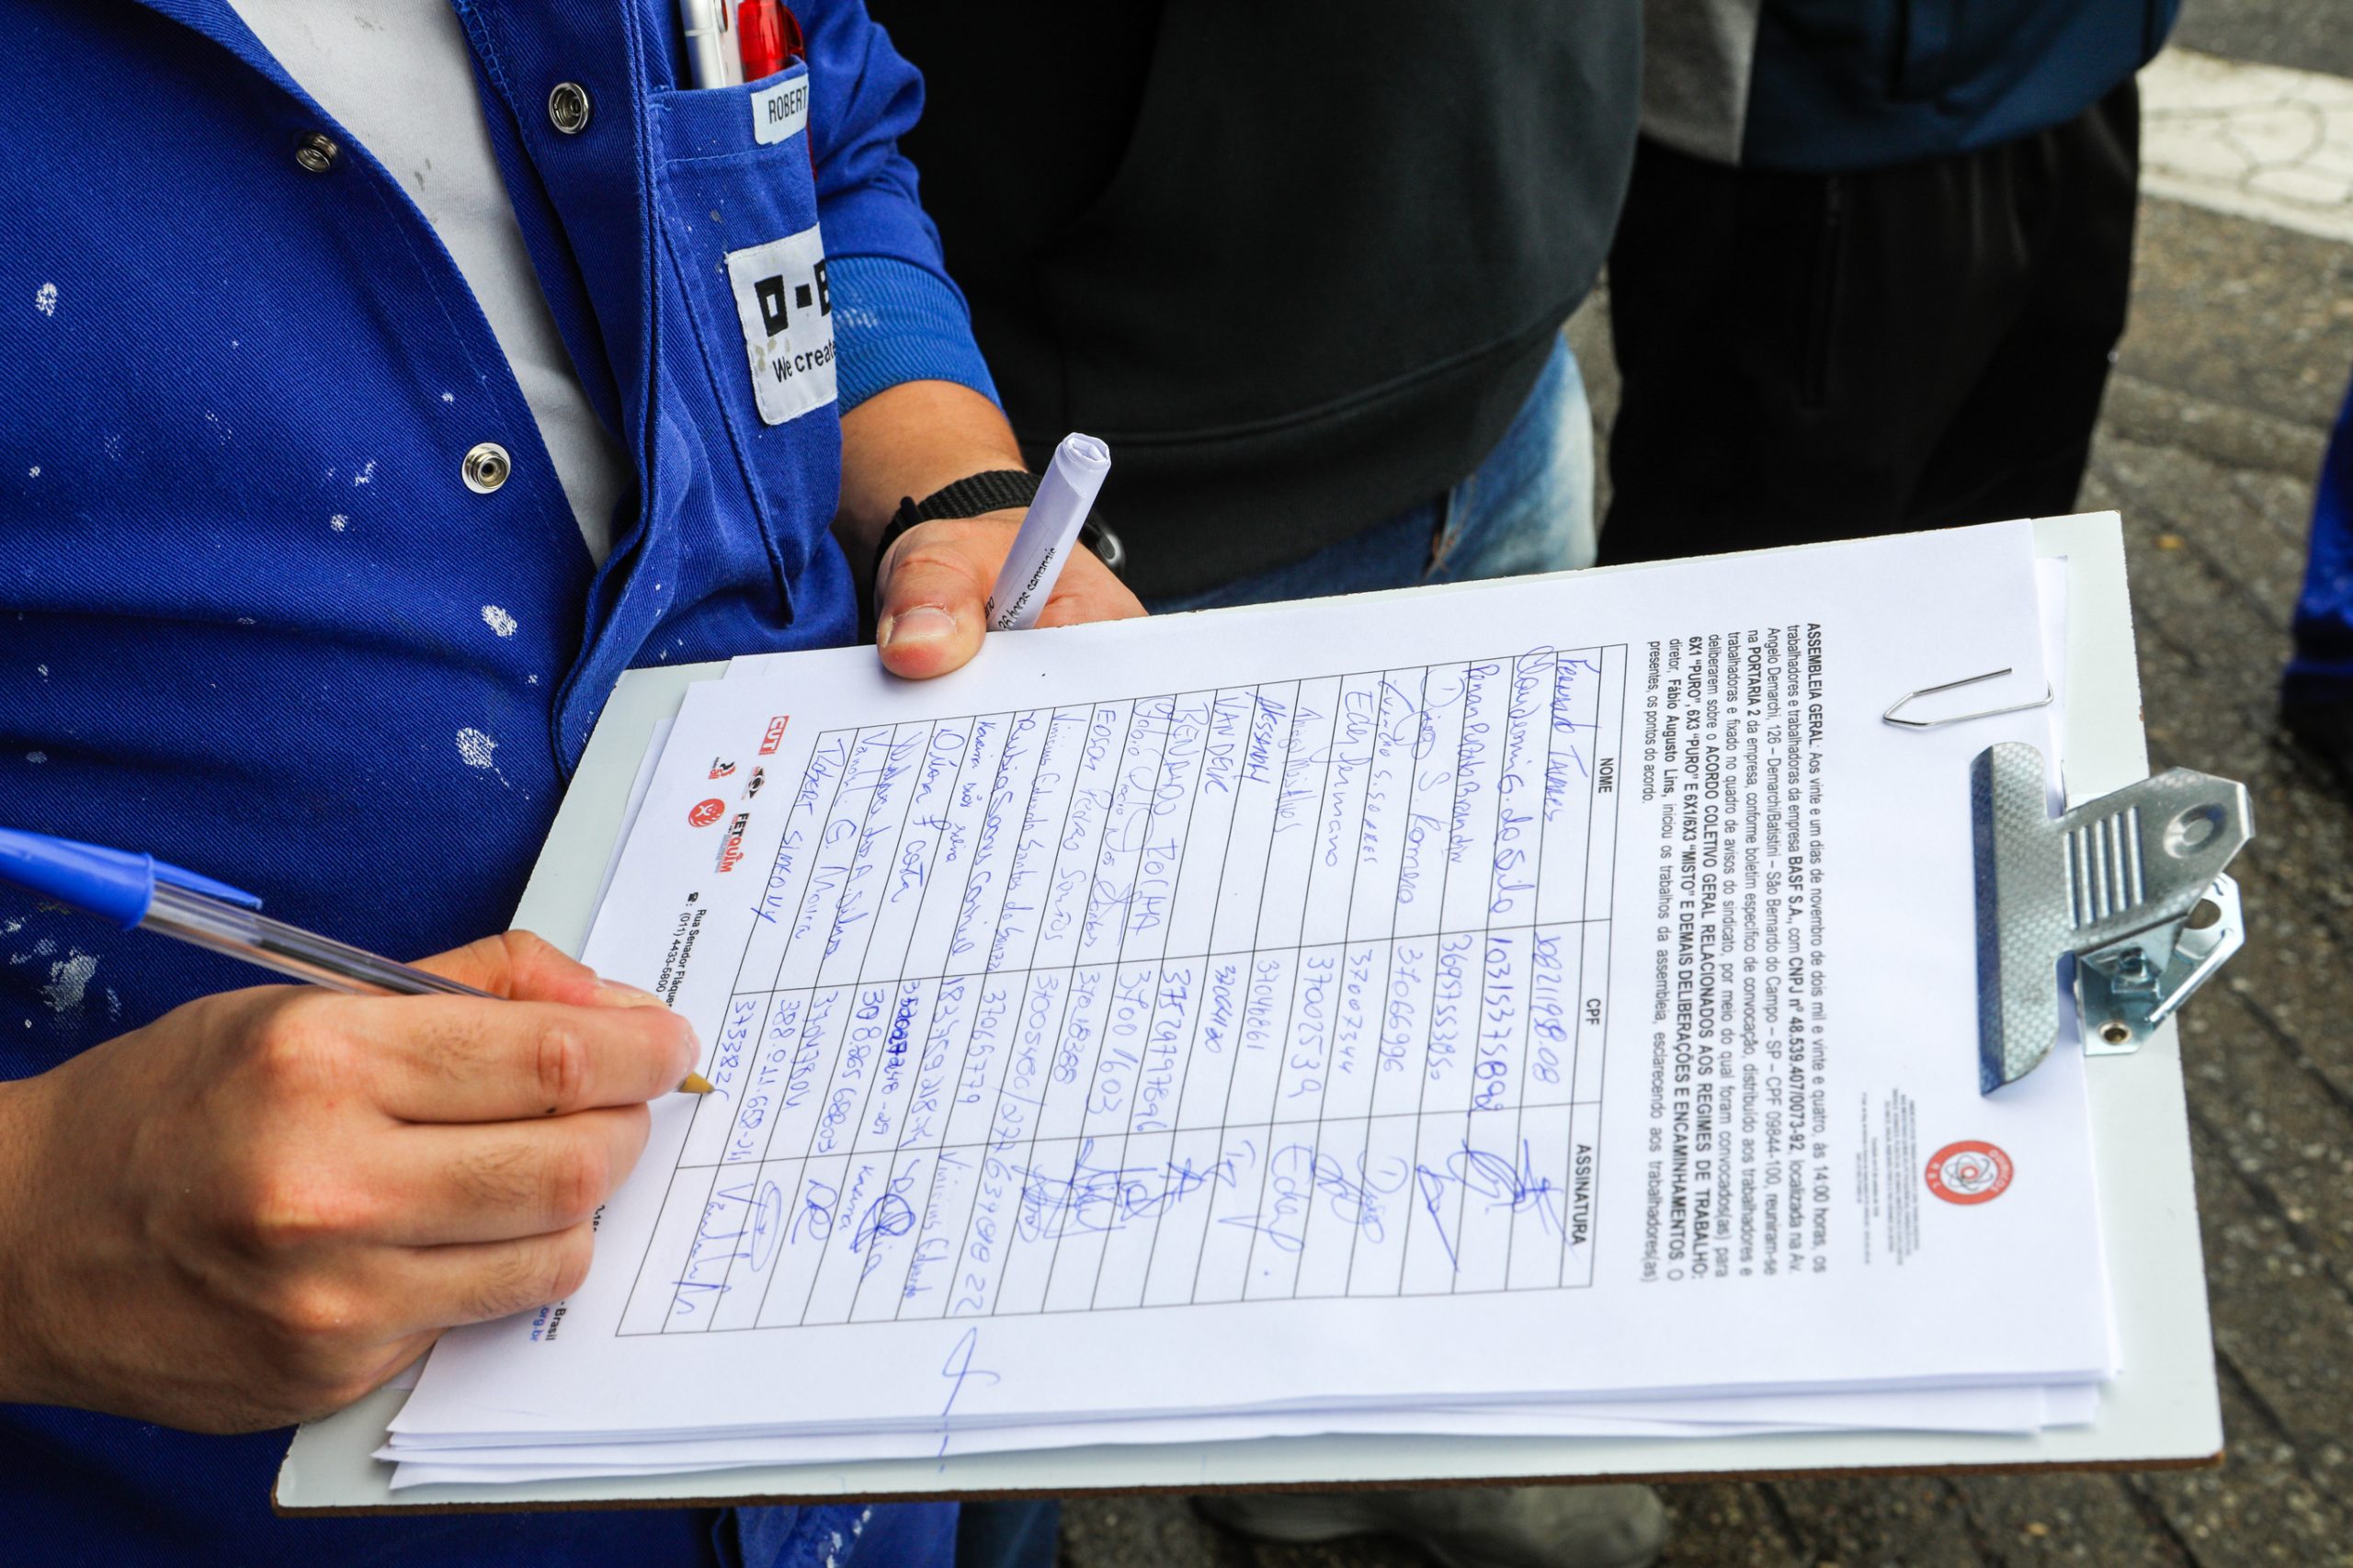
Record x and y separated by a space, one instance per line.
399 75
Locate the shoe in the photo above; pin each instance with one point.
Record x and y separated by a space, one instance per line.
1465 1527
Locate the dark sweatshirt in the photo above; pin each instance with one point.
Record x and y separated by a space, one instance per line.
1300 264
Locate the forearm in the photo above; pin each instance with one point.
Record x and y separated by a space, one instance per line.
910 441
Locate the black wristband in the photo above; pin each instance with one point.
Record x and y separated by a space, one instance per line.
969 497
995 491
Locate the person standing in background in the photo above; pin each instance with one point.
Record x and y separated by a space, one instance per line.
1874 264
1304 271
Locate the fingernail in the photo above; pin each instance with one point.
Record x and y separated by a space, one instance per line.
925 623
616 994
690 1052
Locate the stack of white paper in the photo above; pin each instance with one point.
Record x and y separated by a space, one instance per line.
1537 1008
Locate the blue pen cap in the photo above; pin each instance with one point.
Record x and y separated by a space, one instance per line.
113 883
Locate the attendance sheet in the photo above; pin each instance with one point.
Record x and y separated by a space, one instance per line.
1539 990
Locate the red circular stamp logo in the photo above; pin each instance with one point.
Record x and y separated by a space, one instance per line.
708 813
1968 1172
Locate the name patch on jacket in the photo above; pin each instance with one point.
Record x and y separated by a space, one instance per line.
787 315
780 111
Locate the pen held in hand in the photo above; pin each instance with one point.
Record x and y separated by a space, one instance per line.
139 891
1049 532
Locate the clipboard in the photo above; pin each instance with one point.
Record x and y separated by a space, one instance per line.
2162 1411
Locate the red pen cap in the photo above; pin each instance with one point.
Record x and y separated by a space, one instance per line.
770 35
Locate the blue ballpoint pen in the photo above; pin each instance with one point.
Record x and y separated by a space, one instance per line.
147 893
139 892
142 893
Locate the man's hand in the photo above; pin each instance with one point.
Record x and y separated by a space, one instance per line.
266 1202
936 580
913 439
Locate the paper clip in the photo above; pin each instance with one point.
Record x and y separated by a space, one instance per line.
2044 701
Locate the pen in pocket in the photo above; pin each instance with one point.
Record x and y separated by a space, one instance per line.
710 42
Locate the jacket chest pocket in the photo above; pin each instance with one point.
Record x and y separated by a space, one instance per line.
739 225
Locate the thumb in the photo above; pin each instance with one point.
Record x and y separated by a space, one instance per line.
932 603
522 967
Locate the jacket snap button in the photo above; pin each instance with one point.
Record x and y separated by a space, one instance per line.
486 467
316 152
568 106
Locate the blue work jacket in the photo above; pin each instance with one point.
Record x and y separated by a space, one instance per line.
255 619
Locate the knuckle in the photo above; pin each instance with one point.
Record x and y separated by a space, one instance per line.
486 964
281 1206
523 953
526 944
561 1064
928 561
294 1049
576 1182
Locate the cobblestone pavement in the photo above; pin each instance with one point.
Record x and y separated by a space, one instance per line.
2257 141
2241 341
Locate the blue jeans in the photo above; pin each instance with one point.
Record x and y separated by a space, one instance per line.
2320 674
1527 508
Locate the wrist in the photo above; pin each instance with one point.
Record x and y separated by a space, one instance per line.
913 439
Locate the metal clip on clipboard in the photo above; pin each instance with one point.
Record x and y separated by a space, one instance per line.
2130 886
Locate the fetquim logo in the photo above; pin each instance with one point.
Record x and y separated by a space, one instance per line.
733 850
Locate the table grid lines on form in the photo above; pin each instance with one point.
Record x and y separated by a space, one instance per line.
1287 991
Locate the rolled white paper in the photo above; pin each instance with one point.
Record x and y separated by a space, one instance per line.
1048 529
